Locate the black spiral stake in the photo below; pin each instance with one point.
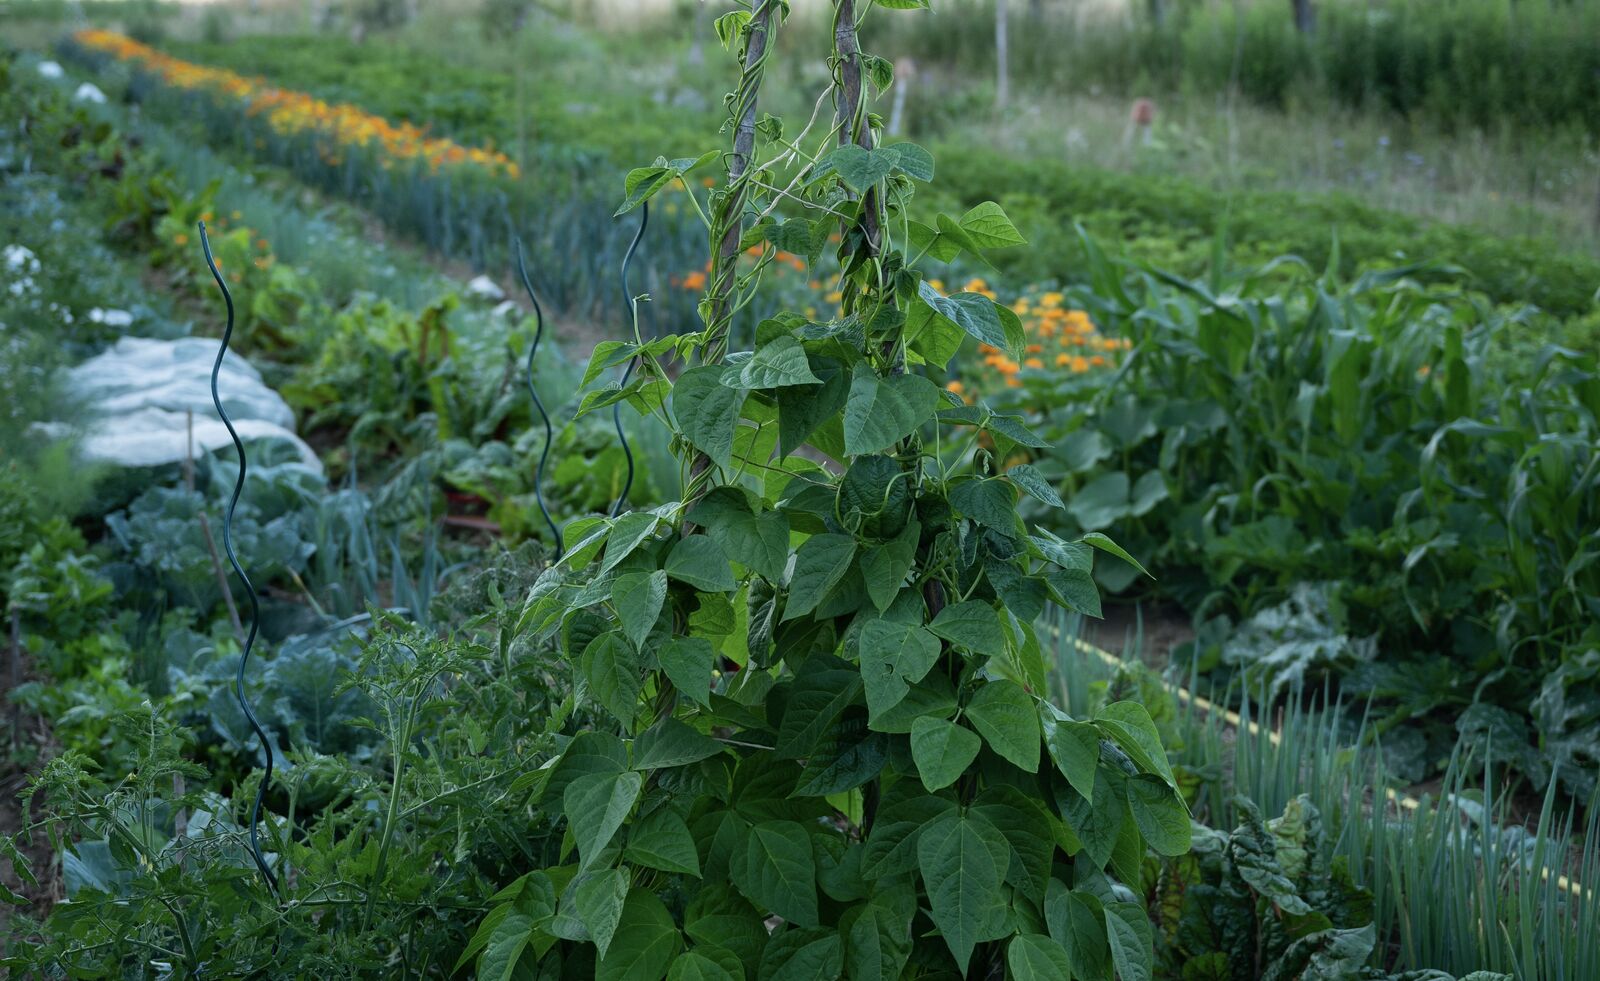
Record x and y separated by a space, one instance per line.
632 306
549 432
233 560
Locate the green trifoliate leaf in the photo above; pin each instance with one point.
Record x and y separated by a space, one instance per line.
638 598
1162 818
671 743
777 364
645 944
990 502
1005 716
1077 922
760 542
859 167
596 806
803 955
819 564
599 897
942 751
698 966
1075 747
894 656
1129 725
877 939
803 409
687 662
1131 936
972 624
882 411
1105 544
699 561
610 666
891 848
779 871
990 228
627 533
1033 957
661 840
707 411
978 316
956 858
1029 478
914 160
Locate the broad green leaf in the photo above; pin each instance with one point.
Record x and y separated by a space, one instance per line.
779 872
894 656
1097 822
877 941
1100 502
844 759
1129 725
719 917
934 696
1105 544
1028 477
882 411
1029 829
628 533
1033 957
810 954
990 228
885 568
661 840
596 806
1160 813
819 564
977 315
1074 590
645 943
804 408
817 698
859 167
1075 747
777 364
696 966
699 561
505 944
671 743
990 502
759 542
638 597
891 848
599 897
972 624
687 662
610 666
1007 719
707 411
1077 922
942 751
956 858
914 160
1131 936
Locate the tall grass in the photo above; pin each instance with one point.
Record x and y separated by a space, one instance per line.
1458 884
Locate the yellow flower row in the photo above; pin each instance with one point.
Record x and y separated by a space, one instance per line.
291 113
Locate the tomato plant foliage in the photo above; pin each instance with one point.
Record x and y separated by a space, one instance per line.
825 747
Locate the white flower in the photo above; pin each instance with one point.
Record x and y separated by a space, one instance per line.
506 309
20 258
484 288
89 92
50 69
21 286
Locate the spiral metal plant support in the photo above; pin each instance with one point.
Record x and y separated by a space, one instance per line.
538 405
632 305
250 590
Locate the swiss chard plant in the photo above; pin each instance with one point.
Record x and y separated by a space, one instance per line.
826 745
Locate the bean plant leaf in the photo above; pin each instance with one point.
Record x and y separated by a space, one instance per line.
661 840
894 656
1028 477
956 858
638 598
645 943
859 167
819 564
882 411
1160 815
977 315
698 966
599 898
1104 544
1034 957
990 228
777 364
1131 936
687 662
1005 716
1130 726
699 561
707 411
610 666
972 624
1075 748
596 806
942 751
779 872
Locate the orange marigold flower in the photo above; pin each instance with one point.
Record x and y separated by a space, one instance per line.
1034 363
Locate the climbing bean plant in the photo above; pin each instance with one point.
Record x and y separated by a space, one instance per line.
827 746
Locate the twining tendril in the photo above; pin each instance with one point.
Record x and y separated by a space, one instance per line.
632 304
250 591
549 432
